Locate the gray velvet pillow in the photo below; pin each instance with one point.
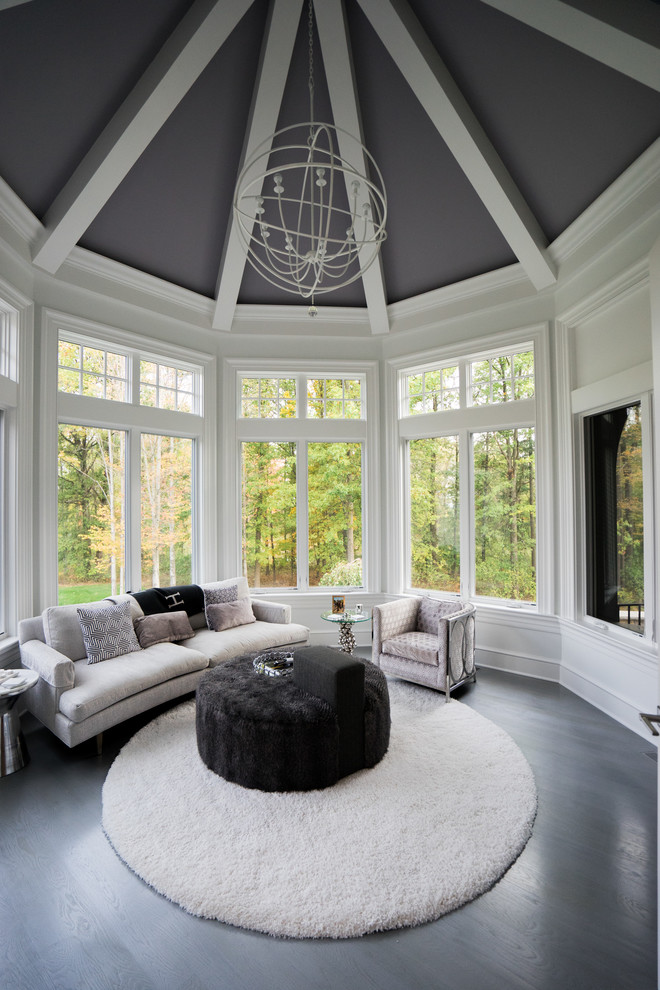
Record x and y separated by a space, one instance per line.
163 627
229 614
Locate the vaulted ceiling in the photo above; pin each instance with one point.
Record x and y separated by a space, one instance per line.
495 124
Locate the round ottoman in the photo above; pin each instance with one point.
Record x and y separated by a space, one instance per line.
267 733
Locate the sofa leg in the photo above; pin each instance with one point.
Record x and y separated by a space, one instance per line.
99 744
447 692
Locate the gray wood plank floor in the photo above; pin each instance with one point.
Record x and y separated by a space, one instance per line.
577 910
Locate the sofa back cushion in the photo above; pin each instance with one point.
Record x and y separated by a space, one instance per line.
62 629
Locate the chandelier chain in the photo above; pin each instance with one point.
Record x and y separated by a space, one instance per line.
310 35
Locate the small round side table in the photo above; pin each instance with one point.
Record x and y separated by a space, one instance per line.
346 622
13 751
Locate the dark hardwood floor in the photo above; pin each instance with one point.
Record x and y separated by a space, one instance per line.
577 911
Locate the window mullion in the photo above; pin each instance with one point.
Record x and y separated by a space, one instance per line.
133 482
466 489
302 516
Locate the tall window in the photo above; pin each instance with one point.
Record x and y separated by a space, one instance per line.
166 509
505 515
302 481
91 513
469 428
334 489
269 514
126 485
615 516
435 552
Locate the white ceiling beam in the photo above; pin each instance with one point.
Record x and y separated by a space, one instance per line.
610 45
430 81
180 62
339 74
276 52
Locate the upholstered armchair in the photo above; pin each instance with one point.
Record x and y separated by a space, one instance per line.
426 641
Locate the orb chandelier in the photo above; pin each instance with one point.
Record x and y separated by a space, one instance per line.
309 219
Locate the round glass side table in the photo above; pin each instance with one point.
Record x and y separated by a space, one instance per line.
346 621
13 751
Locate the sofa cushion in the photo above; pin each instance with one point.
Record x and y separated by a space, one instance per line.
62 629
229 614
107 632
220 592
419 646
98 686
163 627
246 639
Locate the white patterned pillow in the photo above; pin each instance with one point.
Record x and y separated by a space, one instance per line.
107 631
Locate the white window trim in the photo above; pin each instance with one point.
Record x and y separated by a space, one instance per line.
534 412
60 407
16 402
299 430
607 394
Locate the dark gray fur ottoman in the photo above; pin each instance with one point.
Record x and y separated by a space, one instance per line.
267 733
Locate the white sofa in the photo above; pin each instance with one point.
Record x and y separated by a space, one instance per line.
77 700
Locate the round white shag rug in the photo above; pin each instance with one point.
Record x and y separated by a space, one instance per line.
434 825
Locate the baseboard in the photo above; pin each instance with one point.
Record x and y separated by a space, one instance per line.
544 670
625 712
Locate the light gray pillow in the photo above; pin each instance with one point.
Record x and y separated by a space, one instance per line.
163 627
229 614
107 631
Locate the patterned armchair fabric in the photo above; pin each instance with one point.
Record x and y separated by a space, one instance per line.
425 640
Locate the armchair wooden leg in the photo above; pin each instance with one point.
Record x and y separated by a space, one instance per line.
99 744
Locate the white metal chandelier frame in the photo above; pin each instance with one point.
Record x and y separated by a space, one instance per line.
310 221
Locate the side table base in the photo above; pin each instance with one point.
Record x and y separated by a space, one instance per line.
346 637
13 751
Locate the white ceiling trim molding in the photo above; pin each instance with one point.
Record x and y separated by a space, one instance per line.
434 87
276 51
607 44
86 261
630 197
340 76
617 289
14 211
283 320
469 296
177 66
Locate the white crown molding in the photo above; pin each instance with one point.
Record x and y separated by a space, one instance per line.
14 211
622 195
295 320
627 283
134 280
481 291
